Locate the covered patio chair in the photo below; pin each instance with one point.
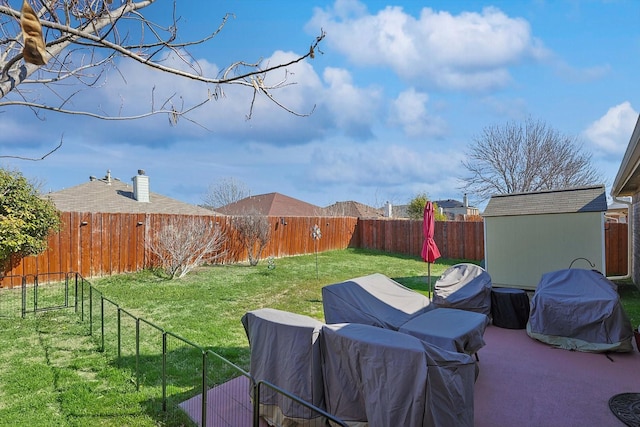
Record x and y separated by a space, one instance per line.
377 300
285 352
464 286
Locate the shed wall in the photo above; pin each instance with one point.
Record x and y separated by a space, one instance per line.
519 249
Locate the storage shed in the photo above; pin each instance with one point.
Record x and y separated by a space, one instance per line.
529 234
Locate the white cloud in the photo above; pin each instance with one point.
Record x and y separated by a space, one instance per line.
611 132
352 109
469 51
381 164
409 110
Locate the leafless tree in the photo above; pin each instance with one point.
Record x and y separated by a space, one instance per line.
517 158
224 192
60 44
185 243
254 231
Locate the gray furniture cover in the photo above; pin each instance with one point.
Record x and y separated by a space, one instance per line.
285 352
464 286
373 300
449 329
383 378
377 300
578 309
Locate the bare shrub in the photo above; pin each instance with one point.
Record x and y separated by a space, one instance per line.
254 232
185 243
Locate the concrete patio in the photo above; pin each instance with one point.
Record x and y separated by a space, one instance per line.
522 382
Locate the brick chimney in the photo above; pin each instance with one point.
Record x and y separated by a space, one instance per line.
141 187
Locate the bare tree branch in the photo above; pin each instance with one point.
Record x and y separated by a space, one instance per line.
93 26
518 158
34 159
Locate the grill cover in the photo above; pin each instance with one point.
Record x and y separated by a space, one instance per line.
578 309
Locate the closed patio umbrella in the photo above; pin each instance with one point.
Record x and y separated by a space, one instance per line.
430 251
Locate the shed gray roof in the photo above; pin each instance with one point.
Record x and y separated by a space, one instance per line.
117 197
569 200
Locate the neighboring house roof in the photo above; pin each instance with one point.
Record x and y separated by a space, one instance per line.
627 182
617 207
449 204
570 200
400 211
355 209
111 195
271 204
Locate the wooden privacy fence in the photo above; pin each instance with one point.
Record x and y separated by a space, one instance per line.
455 239
102 244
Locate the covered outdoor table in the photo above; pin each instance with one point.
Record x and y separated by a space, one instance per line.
449 329
383 378
509 308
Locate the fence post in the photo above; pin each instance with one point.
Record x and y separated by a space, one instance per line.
90 306
256 403
102 320
24 296
75 279
204 389
35 294
164 371
119 335
138 354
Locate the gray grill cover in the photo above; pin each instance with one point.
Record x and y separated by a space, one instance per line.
579 309
387 378
285 352
464 286
372 300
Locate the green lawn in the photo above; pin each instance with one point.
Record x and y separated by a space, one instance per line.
51 372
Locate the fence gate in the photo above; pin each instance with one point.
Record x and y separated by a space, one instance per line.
41 292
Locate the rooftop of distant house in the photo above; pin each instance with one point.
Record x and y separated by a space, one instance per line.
110 195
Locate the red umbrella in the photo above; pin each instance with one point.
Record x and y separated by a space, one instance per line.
430 251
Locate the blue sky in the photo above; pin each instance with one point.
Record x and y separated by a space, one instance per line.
400 91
